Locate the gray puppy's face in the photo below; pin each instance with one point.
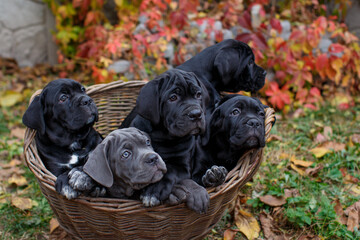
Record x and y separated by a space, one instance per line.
125 155
241 119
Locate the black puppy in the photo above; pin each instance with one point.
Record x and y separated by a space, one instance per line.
226 66
170 109
63 116
236 125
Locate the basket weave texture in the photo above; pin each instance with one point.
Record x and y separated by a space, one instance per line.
109 218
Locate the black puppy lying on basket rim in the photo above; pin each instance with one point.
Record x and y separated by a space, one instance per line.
63 116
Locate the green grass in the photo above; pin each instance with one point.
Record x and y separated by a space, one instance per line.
311 212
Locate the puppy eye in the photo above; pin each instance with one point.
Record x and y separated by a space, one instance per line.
262 114
251 62
63 98
235 112
198 95
126 154
173 98
148 142
82 89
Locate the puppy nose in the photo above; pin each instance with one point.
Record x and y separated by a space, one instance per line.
152 159
195 114
85 101
254 123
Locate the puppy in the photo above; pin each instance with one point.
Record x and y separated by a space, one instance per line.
170 109
63 116
226 66
235 126
187 191
123 163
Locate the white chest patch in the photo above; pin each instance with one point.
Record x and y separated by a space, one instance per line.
74 159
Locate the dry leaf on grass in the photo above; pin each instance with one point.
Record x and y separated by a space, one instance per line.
23 203
298 170
314 171
355 138
339 212
268 228
273 201
229 234
301 163
246 222
18 132
335 146
18 180
319 151
54 224
274 138
353 213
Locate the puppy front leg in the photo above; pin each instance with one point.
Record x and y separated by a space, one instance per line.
82 182
63 187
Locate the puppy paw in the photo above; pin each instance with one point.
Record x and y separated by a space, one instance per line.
195 196
150 201
98 191
62 186
178 195
214 176
69 192
79 180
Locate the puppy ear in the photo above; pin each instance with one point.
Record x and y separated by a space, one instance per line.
148 101
261 104
97 165
34 115
205 93
224 62
215 122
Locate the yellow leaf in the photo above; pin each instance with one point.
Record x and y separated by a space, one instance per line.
284 156
22 203
18 180
319 151
10 98
247 224
355 189
54 224
301 162
298 170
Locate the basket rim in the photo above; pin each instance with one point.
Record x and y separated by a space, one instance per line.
242 172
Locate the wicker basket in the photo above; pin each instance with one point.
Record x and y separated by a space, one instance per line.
109 218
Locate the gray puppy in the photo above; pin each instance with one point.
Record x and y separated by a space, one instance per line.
123 163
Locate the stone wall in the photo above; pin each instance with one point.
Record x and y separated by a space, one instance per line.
25 32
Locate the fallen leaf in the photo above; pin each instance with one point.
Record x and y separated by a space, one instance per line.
291 193
10 98
268 228
319 151
229 234
314 171
298 113
339 212
320 138
328 132
333 146
348 178
273 201
355 138
246 223
274 138
18 132
18 180
353 213
354 189
284 156
54 224
22 203
298 170
301 163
